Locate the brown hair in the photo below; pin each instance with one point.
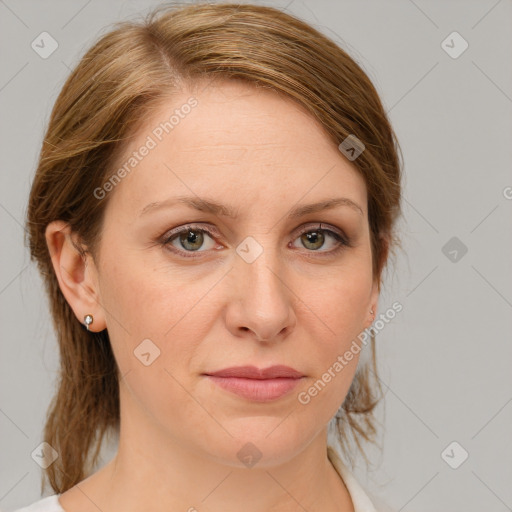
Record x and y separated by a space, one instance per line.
112 90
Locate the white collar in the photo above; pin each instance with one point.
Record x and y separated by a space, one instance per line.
360 498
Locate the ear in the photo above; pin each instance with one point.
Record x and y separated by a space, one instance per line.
374 302
375 291
76 273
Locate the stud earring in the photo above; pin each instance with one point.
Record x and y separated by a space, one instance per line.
88 320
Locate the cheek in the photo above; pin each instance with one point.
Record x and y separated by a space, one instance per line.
337 303
142 303
334 315
155 322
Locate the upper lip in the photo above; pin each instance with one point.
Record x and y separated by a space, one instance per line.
251 372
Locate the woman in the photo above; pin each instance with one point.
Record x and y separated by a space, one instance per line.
213 208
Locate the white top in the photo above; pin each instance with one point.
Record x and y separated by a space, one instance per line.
360 498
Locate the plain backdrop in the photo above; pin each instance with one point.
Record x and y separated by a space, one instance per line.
445 359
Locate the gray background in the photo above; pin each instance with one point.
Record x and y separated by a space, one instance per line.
445 359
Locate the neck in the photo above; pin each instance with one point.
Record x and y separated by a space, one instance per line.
153 470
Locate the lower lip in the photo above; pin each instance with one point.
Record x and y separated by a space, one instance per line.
257 390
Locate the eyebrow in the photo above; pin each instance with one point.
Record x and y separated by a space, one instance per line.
219 209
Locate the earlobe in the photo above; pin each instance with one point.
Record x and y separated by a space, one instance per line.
371 316
374 300
76 274
374 296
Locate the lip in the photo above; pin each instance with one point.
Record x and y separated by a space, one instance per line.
259 385
251 372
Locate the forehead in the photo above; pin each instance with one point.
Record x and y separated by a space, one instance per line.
235 139
233 115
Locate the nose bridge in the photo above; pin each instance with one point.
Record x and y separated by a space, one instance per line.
260 262
262 285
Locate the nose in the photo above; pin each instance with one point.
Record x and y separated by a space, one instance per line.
261 304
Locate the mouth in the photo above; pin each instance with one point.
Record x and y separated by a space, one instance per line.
257 385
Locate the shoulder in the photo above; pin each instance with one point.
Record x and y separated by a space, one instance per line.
48 504
379 504
363 500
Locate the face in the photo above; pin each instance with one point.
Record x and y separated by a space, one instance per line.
187 292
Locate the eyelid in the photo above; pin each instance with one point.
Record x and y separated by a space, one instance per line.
321 226
192 227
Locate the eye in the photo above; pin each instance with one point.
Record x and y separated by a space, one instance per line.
316 237
189 239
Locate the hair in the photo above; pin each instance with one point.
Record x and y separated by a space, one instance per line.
114 88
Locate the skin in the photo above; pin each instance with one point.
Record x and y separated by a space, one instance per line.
294 305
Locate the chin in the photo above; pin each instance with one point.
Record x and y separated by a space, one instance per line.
264 442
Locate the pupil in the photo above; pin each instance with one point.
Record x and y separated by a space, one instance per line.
314 237
192 238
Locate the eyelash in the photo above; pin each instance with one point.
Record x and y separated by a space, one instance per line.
343 241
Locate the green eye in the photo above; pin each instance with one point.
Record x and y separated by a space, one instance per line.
315 239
